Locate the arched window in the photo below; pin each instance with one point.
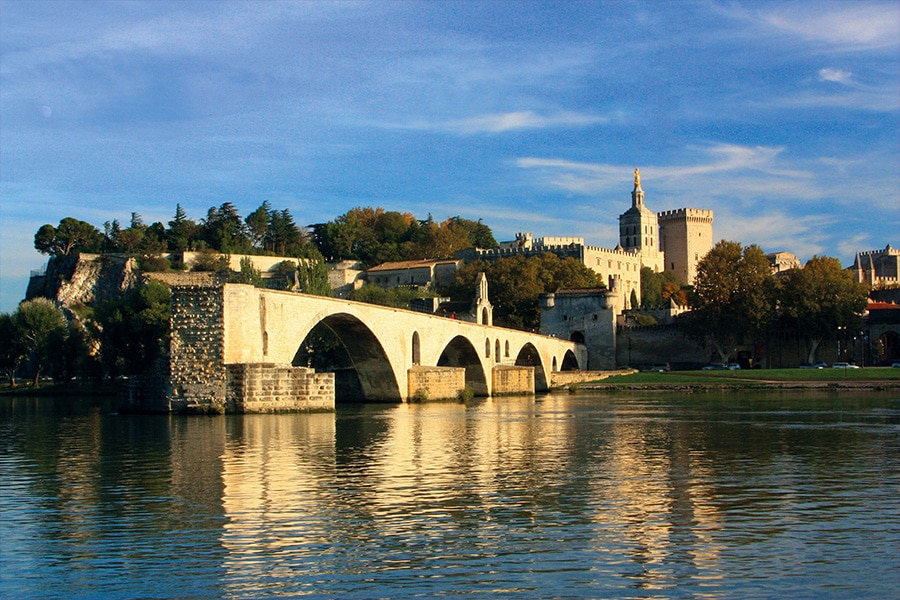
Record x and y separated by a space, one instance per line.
554 364
416 349
497 350
507 349
487 348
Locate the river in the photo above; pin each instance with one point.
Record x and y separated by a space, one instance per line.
629 496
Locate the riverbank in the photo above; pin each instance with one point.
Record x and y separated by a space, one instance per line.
870 378
49 388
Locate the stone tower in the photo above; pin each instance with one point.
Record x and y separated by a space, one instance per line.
482 307
685 236
639 228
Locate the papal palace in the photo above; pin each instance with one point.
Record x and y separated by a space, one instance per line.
673 240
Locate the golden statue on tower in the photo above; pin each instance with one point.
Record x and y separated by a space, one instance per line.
637 179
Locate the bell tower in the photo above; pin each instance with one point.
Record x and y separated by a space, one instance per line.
639 228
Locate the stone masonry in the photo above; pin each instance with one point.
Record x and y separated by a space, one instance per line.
197 371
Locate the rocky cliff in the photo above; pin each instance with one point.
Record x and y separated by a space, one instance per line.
84 279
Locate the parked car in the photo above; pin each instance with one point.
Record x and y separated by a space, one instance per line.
819 365
843 365
722 367
896 365
658 368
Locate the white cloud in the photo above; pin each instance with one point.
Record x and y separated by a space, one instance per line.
775 231
835 75
851 25
501 122
589 178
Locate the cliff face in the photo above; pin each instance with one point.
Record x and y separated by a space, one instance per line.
85 279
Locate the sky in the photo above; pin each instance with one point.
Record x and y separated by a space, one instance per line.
782 117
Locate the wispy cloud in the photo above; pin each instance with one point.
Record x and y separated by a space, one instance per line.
835 75
589 178
848 25
526 119
776 231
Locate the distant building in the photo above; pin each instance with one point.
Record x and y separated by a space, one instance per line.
345 276
878 268
685 236
673 241
782 262
418 273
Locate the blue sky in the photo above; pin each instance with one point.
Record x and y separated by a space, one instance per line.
782 117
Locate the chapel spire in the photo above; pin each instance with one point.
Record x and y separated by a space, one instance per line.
637 196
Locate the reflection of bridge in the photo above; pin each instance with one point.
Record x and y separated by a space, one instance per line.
232 341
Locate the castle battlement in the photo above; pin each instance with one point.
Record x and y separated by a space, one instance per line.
614 251
696 214
887 251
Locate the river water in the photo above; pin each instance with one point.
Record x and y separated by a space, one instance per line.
656 496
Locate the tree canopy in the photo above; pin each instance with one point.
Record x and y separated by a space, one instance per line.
820 300
374 236
733 297
70 237
516 282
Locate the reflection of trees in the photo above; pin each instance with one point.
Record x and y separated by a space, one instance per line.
102 491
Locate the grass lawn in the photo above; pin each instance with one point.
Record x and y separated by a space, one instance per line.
761 376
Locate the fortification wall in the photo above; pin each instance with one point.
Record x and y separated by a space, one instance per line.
637 346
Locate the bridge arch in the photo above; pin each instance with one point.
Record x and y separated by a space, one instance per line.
343 344
569 362
460 352
530 357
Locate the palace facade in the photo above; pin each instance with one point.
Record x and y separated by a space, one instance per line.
673 241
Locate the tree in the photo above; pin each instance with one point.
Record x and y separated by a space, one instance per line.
70 237
36 323
258 223
12 350
312 275
733 297
516 282
135 328
820 300
249 274
658 288
223 229
181 232
282 236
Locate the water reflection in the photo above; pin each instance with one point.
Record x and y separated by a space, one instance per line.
550 496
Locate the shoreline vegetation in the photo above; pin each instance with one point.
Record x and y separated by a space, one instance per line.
866 378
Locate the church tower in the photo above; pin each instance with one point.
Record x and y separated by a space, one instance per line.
639 228
482 307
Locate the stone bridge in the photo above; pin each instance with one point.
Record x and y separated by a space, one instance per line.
236 348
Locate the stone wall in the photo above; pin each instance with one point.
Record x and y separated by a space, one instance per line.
436 383
197 348
642 346
267 388
510 379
